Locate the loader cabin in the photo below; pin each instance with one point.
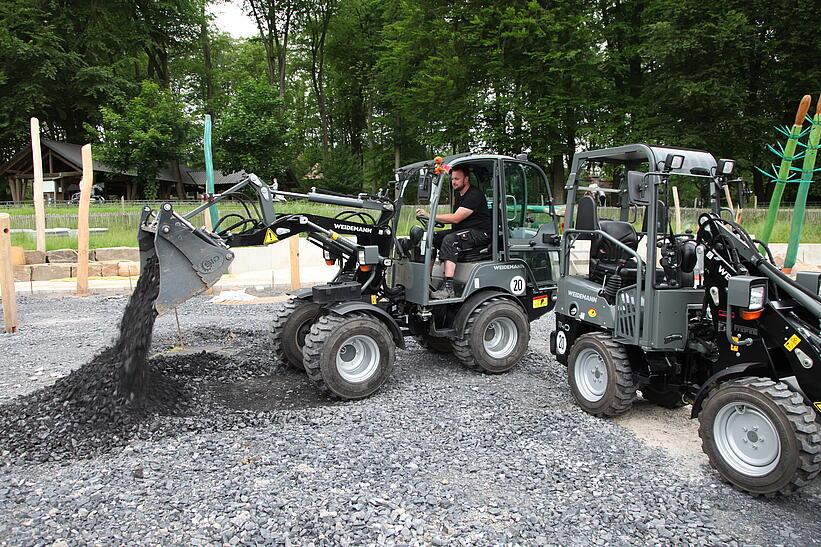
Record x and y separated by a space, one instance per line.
518 196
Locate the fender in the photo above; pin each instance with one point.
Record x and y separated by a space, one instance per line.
728 373
302 294
350 307
477 299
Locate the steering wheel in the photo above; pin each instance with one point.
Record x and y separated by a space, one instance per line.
423 220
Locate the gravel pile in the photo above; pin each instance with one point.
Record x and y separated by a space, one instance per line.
441 455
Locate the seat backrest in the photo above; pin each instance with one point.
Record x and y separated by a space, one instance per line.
604 250
587 216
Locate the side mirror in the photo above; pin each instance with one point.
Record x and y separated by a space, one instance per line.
637 188
425 182
673 161
725 167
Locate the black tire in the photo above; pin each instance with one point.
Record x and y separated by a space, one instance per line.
471 348
329 335
435 344
289 330
606 391
798 458
665 399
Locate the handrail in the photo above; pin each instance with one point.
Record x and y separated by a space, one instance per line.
567 245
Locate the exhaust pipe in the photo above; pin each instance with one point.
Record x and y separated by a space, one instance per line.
191 260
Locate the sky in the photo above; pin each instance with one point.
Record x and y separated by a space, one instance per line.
229 17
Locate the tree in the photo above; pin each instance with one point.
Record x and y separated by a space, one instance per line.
253 133
275 20
144 134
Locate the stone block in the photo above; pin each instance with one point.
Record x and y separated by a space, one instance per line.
18 256
46 272
129 269
131 254
35 257
61 256
109 268
22 273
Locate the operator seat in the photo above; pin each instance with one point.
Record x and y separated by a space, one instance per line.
606 258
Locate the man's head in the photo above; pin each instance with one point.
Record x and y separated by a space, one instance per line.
460 178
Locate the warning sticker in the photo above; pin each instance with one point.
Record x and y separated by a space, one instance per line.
818 405
270 237
373 299
792 342
539 301
734 347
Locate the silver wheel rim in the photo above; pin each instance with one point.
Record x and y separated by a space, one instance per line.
590 374
500 337
747 439
358 359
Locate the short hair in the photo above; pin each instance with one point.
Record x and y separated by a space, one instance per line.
463 168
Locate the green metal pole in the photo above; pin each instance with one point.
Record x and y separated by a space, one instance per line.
784 170
807 170
209 169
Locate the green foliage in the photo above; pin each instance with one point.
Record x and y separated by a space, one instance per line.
144 134
252 134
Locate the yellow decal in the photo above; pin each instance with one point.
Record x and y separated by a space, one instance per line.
818 405
270 237
733 347
592 312
540 301
373 299
334 235
792 342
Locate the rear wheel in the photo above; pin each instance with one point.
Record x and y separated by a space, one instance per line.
350 356
662 398
761 436
600 376
495 337
289 330
435 344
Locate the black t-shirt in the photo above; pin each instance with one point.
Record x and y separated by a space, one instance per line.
474 200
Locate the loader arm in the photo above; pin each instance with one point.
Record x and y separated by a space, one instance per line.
192 259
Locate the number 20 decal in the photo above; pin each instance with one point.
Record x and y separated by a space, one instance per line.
517 285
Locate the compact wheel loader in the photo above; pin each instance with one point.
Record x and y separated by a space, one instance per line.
704 318
344 333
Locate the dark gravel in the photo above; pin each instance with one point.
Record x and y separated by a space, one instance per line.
440 455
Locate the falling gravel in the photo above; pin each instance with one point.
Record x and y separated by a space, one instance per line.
103 403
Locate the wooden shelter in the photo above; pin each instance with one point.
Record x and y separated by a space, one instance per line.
62 170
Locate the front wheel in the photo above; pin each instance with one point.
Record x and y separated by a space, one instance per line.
600 376
289 330
761 436
350 356
495 337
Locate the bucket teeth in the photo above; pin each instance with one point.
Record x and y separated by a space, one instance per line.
191 260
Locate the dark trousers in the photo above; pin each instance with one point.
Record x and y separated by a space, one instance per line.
451 242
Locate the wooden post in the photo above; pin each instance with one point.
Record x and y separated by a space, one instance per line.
7 275
39 206
677 207
293 242
82 222
729 199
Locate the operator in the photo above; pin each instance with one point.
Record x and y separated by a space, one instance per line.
471 223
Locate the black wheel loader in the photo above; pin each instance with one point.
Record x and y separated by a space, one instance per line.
344 333
703 317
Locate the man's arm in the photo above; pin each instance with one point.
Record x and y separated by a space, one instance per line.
449 218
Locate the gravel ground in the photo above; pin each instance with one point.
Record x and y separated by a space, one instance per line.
440 455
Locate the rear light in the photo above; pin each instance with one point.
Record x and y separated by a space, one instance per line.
330 262
364 268
757 296
747 315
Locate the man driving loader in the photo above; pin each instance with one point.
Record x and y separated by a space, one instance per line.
471 223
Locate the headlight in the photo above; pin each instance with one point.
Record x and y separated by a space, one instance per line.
757 296
361 257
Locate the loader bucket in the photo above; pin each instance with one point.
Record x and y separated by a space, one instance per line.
190 259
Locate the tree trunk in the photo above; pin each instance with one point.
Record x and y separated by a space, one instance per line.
208 91
557 178
180 185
